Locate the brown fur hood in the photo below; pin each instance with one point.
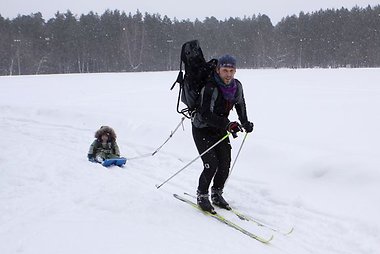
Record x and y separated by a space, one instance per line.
105 130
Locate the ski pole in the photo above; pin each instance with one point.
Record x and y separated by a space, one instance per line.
191 162
158 149
171 135
237 155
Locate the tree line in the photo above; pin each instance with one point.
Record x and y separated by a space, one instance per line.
119 42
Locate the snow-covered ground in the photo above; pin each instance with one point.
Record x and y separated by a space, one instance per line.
312 163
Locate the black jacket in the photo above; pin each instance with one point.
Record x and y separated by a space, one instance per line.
214 109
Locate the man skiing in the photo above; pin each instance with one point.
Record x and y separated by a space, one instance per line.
210 123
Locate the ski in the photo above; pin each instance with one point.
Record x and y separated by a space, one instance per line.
258 223
249 218
225 221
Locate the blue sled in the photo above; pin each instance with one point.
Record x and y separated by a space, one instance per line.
117 162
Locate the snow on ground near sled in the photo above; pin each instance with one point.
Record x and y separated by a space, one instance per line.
312 162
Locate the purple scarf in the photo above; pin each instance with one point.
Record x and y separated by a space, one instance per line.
229 90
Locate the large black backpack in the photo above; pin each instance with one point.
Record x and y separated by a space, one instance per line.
197 73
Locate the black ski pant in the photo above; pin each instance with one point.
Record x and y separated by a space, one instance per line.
216 162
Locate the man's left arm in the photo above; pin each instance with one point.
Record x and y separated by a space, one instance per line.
241 109
240 106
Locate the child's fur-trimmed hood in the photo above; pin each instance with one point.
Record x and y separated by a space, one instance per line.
105 130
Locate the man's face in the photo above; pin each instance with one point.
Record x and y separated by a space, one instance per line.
226 74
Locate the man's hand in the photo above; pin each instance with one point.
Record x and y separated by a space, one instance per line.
248 127
234 127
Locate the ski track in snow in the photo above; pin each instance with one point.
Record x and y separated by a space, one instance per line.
52 200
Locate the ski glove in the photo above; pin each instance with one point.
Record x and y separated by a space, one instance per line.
248 126
234 127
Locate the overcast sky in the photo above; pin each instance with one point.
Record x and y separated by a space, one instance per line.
181 9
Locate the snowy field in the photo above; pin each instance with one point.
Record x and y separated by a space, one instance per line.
312 163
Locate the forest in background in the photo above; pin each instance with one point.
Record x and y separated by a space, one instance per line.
117 41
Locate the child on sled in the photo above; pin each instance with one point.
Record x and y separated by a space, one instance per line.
104 146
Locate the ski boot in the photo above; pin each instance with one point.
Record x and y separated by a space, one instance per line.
204 203
218 200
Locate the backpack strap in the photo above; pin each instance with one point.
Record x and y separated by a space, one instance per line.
179 79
